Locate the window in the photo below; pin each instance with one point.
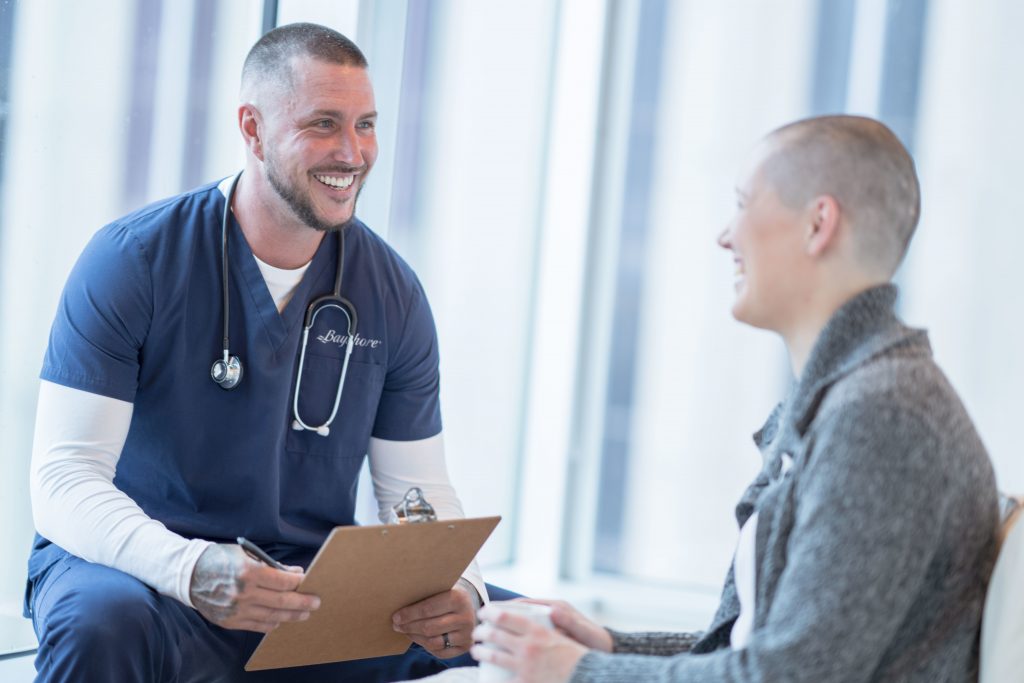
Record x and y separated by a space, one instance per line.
468 189
97 122
686 385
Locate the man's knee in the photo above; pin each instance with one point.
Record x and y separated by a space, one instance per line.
106 613
95 619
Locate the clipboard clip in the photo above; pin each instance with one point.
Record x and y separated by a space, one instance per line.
412 509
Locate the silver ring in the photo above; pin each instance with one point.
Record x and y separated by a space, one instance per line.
447 643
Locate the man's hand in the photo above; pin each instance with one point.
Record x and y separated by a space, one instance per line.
235 592
429 621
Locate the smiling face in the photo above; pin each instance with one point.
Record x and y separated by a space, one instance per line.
766 240
319 141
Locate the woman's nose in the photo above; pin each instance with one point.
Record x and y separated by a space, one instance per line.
725 237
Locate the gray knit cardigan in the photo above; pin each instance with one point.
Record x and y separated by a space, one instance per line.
873 549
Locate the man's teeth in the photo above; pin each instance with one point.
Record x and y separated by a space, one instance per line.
340 183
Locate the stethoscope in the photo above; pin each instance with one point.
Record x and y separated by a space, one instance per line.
227 370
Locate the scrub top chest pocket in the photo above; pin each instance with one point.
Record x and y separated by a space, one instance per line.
351 429
321 370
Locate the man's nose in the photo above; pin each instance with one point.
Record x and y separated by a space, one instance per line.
349 150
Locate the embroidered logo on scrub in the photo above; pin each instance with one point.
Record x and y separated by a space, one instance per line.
341 339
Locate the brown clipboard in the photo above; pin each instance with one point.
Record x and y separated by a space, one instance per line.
363 575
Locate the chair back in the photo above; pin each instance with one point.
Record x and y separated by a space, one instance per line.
1002 624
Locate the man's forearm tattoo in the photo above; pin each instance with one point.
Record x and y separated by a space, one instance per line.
216 583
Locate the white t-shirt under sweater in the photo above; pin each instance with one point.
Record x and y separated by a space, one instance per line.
745 576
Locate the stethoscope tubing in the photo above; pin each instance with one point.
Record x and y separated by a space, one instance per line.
225 344
332 300
325 428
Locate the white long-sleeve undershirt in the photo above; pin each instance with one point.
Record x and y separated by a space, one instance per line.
75 504
396 466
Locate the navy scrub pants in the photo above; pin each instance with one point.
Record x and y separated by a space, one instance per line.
95 623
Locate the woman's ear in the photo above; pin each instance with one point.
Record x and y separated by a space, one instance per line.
823 224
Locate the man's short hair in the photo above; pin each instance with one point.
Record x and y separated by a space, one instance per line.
270 58
861 164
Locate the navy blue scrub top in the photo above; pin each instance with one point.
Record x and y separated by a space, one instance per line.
140 320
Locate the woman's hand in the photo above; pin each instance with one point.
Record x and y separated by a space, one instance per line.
534 653
572 623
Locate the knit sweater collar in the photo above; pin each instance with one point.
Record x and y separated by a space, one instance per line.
859 330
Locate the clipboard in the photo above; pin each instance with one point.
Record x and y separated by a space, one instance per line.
363 575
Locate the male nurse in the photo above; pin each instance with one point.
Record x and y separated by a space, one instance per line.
180 407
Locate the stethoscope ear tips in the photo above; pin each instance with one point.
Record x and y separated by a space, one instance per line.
322 430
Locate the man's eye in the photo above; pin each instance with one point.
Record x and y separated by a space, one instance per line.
324 123
368 125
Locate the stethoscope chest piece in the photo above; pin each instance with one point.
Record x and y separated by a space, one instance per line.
227 372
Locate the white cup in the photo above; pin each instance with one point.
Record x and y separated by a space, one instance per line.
538 614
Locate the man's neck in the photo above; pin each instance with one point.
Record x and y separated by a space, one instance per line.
275 236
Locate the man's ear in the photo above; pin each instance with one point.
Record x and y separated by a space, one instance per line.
823 225
251 125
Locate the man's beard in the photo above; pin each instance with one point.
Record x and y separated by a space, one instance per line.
300 204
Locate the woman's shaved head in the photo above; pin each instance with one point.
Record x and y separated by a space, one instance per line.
862 165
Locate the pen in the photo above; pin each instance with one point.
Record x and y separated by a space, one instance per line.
257 553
